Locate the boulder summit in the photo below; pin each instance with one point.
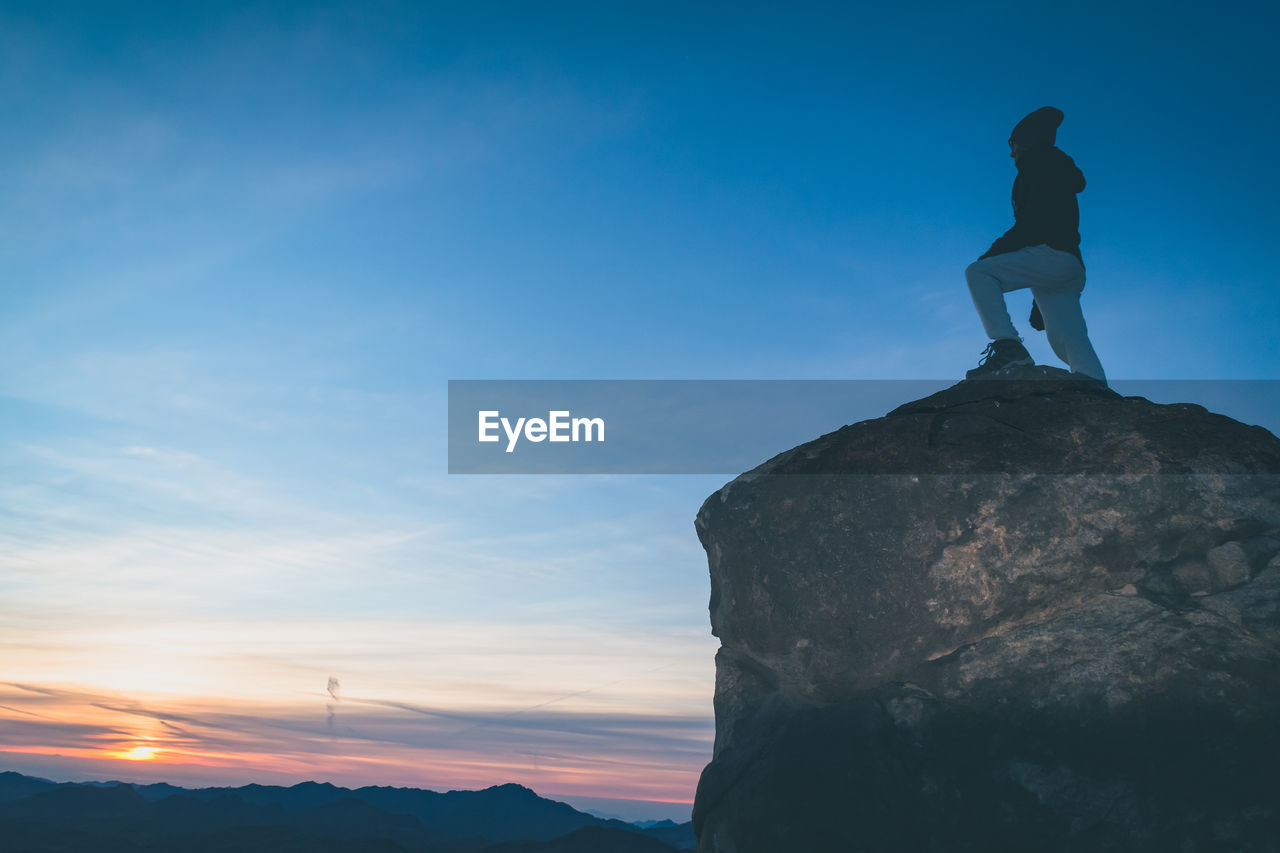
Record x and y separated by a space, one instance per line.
1022 614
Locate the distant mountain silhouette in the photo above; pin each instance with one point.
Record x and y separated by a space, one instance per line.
589 839
49 817
15 786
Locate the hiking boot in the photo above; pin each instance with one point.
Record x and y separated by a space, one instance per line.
999 355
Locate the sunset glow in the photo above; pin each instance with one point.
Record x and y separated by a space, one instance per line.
625 725
140 753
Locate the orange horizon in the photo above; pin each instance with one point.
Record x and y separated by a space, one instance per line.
186 741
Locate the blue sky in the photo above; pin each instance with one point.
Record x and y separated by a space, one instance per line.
245 247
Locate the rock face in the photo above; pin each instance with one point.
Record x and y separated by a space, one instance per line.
1016 615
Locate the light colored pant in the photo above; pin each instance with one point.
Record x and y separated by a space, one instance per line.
1056 279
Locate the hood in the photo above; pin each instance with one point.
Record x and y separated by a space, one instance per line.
1055 161
1038 128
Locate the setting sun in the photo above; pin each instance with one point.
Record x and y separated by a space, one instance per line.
140 753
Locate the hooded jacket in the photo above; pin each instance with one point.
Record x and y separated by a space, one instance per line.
1044 203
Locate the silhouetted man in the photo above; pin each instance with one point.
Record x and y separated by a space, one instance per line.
1041 251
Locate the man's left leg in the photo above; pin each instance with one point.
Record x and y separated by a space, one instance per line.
989 279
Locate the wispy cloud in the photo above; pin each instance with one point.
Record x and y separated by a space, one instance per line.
621 754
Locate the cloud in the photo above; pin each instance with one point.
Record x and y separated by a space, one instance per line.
171 458
379 742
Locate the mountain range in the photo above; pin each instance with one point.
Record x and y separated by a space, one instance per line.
40 816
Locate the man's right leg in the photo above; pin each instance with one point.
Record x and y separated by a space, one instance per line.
1065 327
1056 286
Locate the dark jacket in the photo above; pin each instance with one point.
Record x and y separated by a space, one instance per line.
1044 203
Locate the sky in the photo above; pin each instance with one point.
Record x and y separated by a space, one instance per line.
244 248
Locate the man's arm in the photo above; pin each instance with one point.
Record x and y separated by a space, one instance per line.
1028 214
1009 241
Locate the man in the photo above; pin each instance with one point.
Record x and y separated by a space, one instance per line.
1041 251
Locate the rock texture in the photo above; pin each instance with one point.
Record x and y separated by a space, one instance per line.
1022 614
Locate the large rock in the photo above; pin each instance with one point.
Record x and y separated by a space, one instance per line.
1016 615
